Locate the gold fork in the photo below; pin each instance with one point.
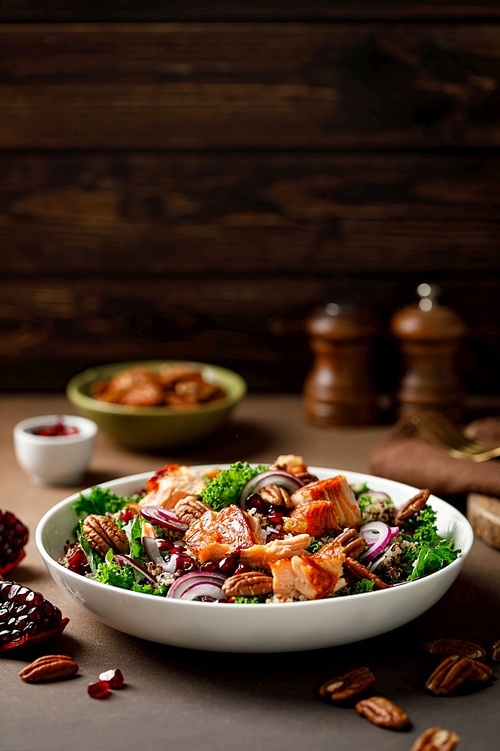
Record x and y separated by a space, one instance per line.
438 429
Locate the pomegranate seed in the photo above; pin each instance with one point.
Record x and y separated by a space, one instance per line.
275 517
98 690
228 565
242 568
210 566
58 428
126 515
165 544
113 677
77 561
256 502
185 564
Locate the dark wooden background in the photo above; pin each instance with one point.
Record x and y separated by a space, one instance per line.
188 179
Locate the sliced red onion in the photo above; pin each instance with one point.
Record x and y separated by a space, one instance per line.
272 477
198 584
377 535
123 560
163 518
376 563
376 495
152 549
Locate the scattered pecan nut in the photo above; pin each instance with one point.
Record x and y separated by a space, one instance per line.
248 584
456 673
345 687
361 572
495 651
102 533
190 509
447 647
49 668
412 507
383 712
436 739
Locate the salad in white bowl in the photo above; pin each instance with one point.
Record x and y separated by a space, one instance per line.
254 534
254 558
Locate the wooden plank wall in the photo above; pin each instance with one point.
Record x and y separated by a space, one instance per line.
188 179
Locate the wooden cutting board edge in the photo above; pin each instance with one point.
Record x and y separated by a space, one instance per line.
483 513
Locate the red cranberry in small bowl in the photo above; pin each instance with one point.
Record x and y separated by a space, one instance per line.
55 449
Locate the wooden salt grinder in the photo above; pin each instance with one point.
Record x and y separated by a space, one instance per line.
340 389
429 336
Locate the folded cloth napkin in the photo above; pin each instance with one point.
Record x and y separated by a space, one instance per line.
406 456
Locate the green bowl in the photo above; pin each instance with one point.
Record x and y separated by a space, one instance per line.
156 427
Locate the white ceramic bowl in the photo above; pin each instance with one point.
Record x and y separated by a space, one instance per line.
233 627
54 460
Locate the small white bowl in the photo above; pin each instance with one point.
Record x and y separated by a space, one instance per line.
54 460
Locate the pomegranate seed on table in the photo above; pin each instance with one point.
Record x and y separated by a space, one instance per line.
113 677
99 689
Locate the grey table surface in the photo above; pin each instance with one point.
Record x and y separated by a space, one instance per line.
182 699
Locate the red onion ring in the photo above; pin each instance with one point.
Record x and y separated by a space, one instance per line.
163 518
123 560
198 584
377 535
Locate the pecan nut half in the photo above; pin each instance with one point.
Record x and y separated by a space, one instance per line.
456 673
412 507
436 739
383 712
447 647
49 668
102 533
495 651
248 584
361 572
345 687
276 496
190 509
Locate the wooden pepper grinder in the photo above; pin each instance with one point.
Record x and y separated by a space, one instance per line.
429 336
340 388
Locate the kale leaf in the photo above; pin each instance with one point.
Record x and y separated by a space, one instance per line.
225 488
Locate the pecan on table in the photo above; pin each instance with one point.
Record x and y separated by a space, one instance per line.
457 673
49 668
436 739
361 572
447 647
248 584
495 651
412 507
345 687
190 509
102 533
383 712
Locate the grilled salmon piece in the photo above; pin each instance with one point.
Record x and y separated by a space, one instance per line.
316 518
336 490
262 556
217 534
331 558
172 483
284 579
311 579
